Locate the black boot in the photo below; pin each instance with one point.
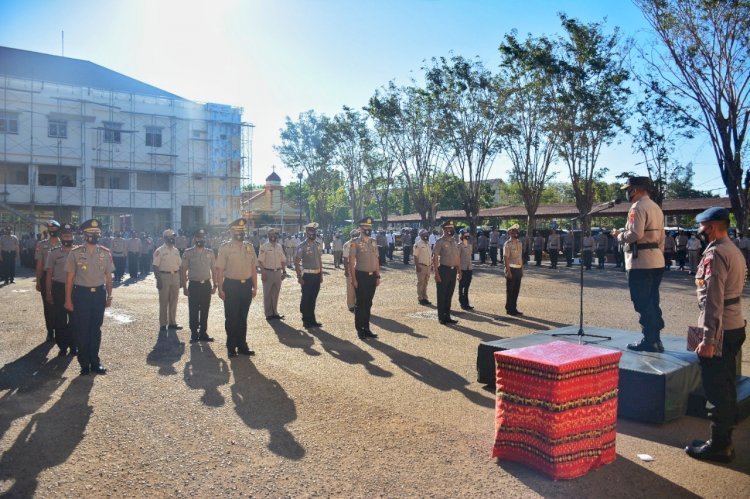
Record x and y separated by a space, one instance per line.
719 448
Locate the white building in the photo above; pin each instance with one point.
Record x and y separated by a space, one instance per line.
78 140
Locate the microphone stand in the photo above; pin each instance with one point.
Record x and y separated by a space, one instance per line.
580 332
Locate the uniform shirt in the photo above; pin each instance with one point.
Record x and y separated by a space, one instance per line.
681 241
42 250
89 269
494 238
422 252
180 242
513 253
381 240
602 241
588 243
119 247
8 242
720 276
147 245
447 252
337 244
134 245
106 241
669 244
538 243
406 240
693 244
553 242
366 253
390 238
167 259
198 263
482 242
501 240
55 263
237 260
466 251
271 256
645 225
310 254
567 240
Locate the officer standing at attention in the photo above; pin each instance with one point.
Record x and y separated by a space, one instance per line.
466 254
337 246
694 248
681 244
568 241
553 247
587 249
538 245
351 297
290 245
644 261
166 265
237 280
720 279
272 264
9 251
55 291
446 260
134 255
308 263
364 267
197 270
601 249
40 256
382 245
119 249
406 245
423 265
513 251
147 252
88 291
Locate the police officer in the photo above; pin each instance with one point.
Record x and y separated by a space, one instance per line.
166 265
513 251
466 255
681 244
423 265
720 279
694 248
272 264
494 244
55 277
602 241
134 255
568 241
88 291
446 260
553 247
644 261
406 245
337 247
40 256
364 268
382 245
237 280
587 249
290 247
9 251
147 251
308 263
350 291
197 271
119 249
538 246
181 242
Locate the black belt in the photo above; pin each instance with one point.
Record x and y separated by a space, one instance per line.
449 267
642 246
93 289
241 281
168 271
731 301
201 281
271 270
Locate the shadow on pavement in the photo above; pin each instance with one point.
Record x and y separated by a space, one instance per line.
167 351
205 371
263 404
394 326
293 338
49 439
346 351
482 336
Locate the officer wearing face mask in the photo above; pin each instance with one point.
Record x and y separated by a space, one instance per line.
197 271
446 260
166 265
364 269
88 291
423 264
644 261
55 276
119 249
40 255
308 264
272 262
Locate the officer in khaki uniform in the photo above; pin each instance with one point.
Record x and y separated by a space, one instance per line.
467 269
720 280
166 265
40 256
272 262
119 248
513 251
197 270
446 260
423 265
237 278
134 255
553 247
308 264
9 252
364 268
55 277
88 291
644 261
350 292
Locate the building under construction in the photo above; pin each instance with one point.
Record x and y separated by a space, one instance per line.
78 140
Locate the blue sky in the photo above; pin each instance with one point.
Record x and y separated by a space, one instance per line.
277 58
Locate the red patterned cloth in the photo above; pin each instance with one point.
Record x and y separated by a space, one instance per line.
557 407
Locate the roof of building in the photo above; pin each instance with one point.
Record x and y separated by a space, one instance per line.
56 69
273 177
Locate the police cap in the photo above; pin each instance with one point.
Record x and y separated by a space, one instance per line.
53 226
365 222
199 233
92 226
311 225
640 182
239 225
448 224
66 229
712 214
168 233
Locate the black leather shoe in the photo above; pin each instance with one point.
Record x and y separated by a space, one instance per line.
369 334
351 309
660 347
451 321
99 369
193 339
163 328
318 324
643 346
50 338
63 352
232 352
205 338
246 351
85 371
175 326
442 322
361 335
711 452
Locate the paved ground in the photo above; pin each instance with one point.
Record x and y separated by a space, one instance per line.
318 413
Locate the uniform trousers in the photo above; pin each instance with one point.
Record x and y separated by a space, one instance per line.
337 258
445 289
87 317
568 256
8 266
61 318
237 298
538 257
512 289
351 295
168 293
644 292
145 262
483 255
423 277
600 258
681 253
271 290
290 257
391 249
119 263
199 301
553 254
693 258
47 307
407 254
133 264
381 254
463 288
493 255
310 290
587 258
365 291
719 376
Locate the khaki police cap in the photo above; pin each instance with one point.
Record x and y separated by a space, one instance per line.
92 226
168 233
365 222
239 225
311 225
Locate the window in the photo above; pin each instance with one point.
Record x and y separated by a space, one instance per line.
153 136
153 182
14 174
110 179
53 176
8 122
112 133
57 129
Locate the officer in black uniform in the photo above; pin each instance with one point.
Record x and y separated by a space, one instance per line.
88 291
364 269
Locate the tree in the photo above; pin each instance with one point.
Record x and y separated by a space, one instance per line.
530 139
380 172
680 184
591 97
469 104
705 65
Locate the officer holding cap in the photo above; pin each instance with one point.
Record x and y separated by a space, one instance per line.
643 238
55 277
237 279
272 262
40 256
197 271
166 264
308 264
88 291
446 260
364 269
720 279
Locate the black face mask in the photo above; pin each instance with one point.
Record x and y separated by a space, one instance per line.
239 236
67 242
366 232
311 237
200 243
170 240
424 237
92 239
702 235
273 239
627 195
450 233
